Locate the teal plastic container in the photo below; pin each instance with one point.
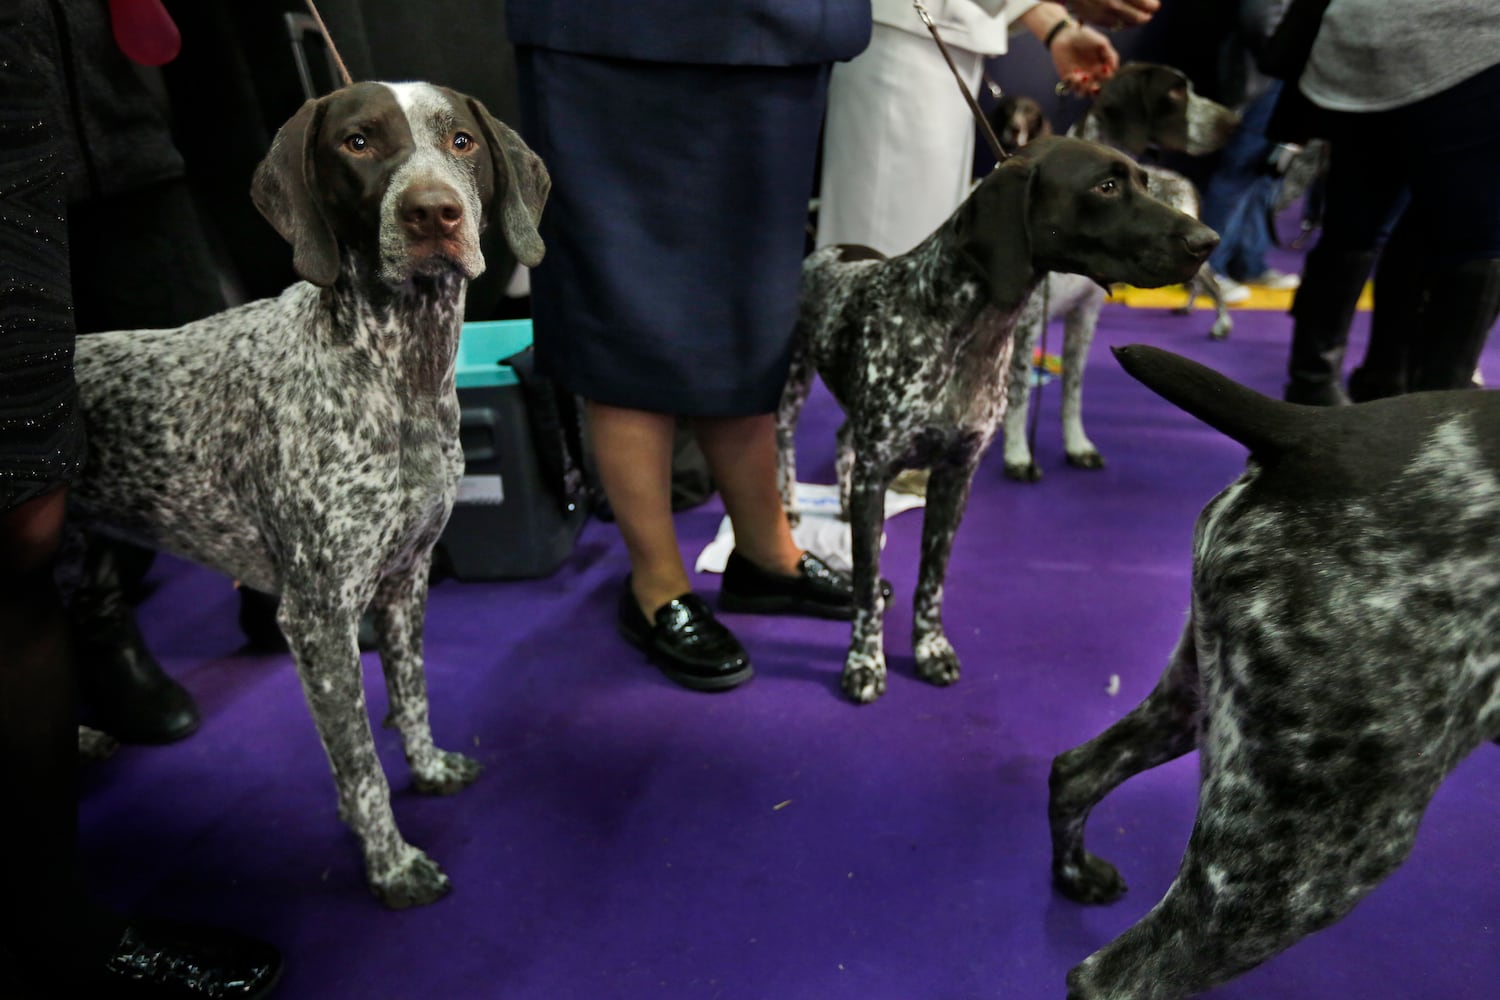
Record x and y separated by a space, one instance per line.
482 346
507 522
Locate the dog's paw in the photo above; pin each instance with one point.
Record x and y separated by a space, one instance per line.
937 662
863 683
1221 329
1095 881
448 773
1086 460
1027 473
416 882
95 746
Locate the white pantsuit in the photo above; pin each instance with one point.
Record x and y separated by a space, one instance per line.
898 145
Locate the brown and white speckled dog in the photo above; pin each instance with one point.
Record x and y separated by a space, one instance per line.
1341 656
916 348
308 444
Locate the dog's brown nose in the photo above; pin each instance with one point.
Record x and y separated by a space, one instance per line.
1200 241
430 211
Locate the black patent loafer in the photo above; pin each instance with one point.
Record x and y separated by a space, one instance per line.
817 590
165 960
690 645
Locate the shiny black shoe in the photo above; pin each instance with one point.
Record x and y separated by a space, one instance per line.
164 960
686 641
818 590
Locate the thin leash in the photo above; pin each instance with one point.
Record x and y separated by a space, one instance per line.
1000 157
328 40
984 126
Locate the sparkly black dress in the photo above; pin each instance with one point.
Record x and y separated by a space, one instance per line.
41 429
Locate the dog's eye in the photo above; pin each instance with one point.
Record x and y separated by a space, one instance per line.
1108 186
463 142
356 143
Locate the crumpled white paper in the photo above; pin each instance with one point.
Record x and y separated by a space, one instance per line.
820 531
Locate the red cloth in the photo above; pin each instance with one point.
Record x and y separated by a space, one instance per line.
145 31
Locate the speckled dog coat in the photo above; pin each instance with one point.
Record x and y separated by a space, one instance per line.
1340 657
916 349
307 445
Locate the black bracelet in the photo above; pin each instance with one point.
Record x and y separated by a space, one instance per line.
1057 29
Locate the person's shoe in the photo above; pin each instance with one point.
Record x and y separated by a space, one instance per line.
124 690
1231 291
165 960
1275 280
817 590
686 641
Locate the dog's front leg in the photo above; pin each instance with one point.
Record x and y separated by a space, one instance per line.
947 493
1159 729
864 668
1078 337
399 608
1020 464
322 629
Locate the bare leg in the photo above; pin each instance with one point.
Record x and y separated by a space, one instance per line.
741 452
798 382
633 451
45 912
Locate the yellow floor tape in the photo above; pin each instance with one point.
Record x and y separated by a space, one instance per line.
1173 297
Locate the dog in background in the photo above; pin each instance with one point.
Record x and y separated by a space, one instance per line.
308 444
1016 120
1341 656
916 348
1141 107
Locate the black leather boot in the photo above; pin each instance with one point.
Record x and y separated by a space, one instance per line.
1322 310
124 690
1462 304
1400 294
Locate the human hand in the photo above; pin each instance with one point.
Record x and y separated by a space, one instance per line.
1112 14
1084 59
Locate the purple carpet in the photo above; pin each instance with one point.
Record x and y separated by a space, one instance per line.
632 840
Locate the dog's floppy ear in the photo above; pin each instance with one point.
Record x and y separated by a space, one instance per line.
993 235
1124 112
521 186
285 189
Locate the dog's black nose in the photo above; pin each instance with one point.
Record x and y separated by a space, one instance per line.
428 211
1200 242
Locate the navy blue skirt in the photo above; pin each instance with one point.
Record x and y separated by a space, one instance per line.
675 229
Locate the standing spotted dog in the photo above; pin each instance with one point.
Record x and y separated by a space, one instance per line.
308 444
915 349
1341 656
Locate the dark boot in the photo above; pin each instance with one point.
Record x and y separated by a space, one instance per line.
124 690
1462 304
1322 310
1400 294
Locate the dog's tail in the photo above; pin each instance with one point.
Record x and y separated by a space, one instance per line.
1268 427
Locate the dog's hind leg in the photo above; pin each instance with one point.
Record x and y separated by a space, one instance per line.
1294 827
1159 729
399 609
863 678
1078 339
1020 464
947 493
321 625
793 395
